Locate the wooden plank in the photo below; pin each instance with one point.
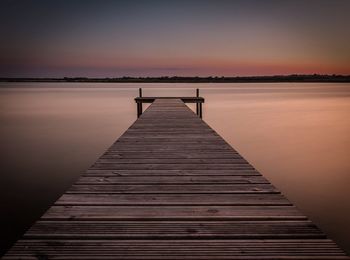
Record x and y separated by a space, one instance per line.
184 99
172 180
175 249
216 161
184 212
174 155
170 148
170 166
171 188
174 229
187 172
172 199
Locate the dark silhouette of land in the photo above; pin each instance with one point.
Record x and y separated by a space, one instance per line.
180 79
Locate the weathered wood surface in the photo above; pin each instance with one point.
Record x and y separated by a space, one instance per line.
171 188
183 99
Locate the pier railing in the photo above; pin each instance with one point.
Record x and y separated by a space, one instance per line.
197 99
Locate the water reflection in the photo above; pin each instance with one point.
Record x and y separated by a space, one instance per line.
297 135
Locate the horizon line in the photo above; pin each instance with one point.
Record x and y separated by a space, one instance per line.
193 79
181 76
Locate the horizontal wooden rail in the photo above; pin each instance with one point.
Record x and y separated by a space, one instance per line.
184 99
197 100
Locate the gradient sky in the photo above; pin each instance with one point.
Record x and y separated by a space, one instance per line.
184 38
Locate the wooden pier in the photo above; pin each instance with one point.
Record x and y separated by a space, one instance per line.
171 188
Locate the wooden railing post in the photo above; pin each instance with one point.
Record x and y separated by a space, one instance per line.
140 94
139 104
197 107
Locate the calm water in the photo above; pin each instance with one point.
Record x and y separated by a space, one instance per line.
297 135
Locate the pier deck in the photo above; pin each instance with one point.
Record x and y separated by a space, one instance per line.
171 188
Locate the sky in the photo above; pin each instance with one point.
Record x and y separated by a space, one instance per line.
173 38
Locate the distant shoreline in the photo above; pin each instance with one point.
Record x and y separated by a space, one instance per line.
179 79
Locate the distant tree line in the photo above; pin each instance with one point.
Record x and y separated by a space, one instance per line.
179 79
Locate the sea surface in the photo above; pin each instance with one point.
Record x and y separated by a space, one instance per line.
296 134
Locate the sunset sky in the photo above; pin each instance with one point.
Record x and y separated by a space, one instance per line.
167 38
